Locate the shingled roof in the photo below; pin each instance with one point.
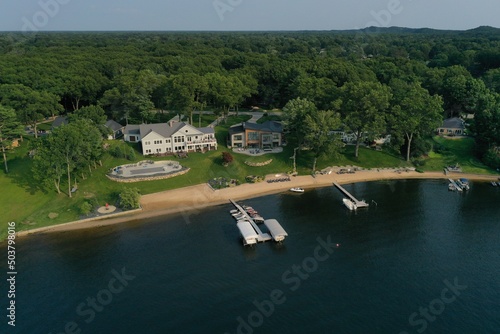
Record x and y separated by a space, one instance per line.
269 126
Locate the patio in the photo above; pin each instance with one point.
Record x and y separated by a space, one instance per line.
255 152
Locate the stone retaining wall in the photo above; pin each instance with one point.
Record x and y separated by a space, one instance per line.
258 164
183 171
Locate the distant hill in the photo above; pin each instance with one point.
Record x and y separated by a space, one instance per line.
483 30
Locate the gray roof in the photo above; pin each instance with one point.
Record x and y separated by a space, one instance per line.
453 123
60 120
269 126
132 129
207 130
163 129
115 126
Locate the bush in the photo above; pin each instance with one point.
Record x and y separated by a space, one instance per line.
227 158
86 208
492 159
418 162
117 152
129 198
131 154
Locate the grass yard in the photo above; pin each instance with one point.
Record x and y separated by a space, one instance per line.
30 206
453 151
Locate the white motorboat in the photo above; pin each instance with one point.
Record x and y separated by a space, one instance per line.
297 190
349 204
463 183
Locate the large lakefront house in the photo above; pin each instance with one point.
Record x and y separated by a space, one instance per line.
266 135
172 137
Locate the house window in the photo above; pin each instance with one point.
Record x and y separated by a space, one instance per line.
178 139
147 143
253 136
168 141
148 151
189 139
158 150
132 138
158 142
238 137
276 136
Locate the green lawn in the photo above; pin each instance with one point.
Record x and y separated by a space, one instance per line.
453 151
26 203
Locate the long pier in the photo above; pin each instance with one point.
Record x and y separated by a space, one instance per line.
262 237
359 204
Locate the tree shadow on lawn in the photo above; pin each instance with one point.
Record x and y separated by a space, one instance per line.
21 174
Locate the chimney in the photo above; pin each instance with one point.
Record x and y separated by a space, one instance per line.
171 123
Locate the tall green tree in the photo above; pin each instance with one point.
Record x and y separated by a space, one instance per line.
320 137
294 116
31 106
363 107
486 125
187 93
10 129
67 151
48 165
415 113
131 96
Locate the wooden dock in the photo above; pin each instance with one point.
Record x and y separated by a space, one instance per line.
359 204
262 237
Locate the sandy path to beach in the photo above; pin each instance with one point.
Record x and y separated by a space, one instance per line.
192 199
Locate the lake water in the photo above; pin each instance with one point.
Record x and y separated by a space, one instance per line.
422 260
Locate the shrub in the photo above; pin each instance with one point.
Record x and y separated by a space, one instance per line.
227 158
86 208
492 159
129 198
131 154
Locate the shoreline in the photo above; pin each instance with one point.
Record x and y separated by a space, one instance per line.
190 200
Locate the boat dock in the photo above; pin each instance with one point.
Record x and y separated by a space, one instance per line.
251 233
358 203
260 236
454 184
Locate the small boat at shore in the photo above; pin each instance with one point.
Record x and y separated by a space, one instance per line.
463 183
349 204
493 183
297 190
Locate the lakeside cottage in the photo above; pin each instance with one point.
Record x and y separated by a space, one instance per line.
266 135
169 138
452 127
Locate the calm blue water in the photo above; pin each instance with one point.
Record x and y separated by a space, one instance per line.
391 273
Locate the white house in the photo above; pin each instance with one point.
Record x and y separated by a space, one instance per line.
173 137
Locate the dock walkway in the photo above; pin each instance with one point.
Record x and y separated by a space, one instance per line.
359 204
262 237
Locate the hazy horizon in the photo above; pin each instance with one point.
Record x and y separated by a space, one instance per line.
242 15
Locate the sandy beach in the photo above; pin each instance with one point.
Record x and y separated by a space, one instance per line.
192 199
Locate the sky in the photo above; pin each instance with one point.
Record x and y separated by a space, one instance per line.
231 15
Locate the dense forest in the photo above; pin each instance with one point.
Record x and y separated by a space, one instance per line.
394 81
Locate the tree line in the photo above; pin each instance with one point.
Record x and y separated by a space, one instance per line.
130 75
